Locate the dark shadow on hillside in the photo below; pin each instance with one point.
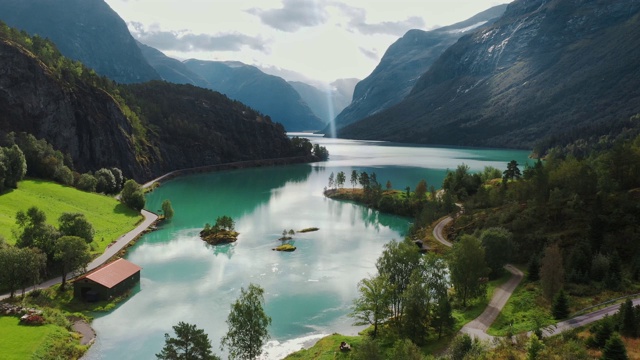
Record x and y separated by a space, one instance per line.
124 210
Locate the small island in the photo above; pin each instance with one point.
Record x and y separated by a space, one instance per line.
223 232
285 247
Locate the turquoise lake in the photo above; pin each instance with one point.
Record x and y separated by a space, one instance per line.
308 292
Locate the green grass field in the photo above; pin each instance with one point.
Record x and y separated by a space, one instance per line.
21 342
109 218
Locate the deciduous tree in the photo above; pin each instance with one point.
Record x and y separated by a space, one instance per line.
498 246
132 195
468 266
76 224
397 263
248 324
167 210
72 253
372 306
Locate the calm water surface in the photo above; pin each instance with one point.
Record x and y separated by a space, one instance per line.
308 292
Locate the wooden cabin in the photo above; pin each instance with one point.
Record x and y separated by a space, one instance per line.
107 281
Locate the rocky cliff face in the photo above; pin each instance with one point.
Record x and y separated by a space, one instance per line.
268 94
85 30
185 126
403 64
545 69
84 122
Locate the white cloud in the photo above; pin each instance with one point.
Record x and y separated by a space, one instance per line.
322 39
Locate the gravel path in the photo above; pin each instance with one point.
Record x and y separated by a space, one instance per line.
83 328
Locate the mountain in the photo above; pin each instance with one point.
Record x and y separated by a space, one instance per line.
268 94
170 69
548 69
144 129
403 63
326 101
85 30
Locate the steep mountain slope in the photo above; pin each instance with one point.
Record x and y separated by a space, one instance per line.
85 30
90 118
268 94
170 69
403 63
326 101
546 69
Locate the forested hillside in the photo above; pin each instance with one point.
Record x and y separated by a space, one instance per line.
144 130
85 30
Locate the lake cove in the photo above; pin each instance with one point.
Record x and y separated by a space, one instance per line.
308 292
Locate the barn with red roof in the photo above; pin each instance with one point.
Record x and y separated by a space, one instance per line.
107 281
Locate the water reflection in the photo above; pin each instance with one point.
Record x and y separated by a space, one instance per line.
308 292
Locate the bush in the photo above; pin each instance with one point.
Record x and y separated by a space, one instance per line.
32 320
87 182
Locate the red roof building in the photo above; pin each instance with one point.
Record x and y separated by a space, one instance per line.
107 281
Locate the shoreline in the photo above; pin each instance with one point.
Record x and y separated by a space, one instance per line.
123 242
231 166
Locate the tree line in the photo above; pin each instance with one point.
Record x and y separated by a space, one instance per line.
42 249
24 155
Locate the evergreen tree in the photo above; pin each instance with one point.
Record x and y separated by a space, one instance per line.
354 178
614 349
534 347
190 343
628 319
560 308
533 269
551 271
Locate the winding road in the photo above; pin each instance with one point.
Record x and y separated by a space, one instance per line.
478 327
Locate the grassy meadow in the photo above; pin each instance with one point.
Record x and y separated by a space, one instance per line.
109 218
21 342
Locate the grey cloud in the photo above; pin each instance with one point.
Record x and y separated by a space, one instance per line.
185 42
358 21
294 15
371 54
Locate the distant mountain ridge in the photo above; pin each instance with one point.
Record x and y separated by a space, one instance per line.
85 30
403 63
544 69
326 101
268 94
170 69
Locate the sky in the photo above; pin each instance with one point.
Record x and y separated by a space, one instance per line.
323 39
